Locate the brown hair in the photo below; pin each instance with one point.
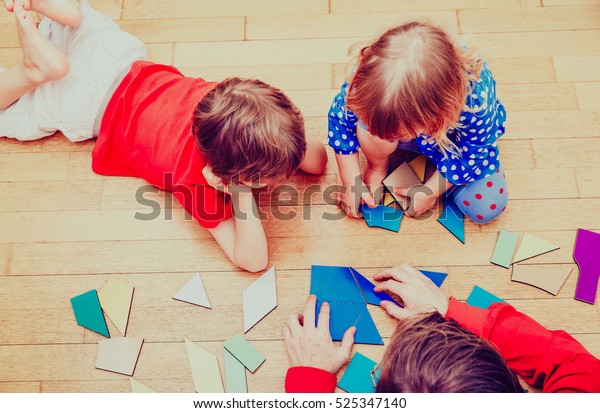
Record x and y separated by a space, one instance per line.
412 79
246 129
429 354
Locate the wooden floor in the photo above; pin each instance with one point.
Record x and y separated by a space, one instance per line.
65 230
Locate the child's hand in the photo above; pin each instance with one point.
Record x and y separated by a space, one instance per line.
350 200
419 293
422 199
312 346
214 180
373 179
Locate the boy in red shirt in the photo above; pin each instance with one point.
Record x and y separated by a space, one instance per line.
206 142
438 347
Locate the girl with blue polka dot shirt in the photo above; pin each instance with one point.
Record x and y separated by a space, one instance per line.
414 89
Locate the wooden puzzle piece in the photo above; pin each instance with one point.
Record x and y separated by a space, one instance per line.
532 246
245 352
260 298
235 374
367 289
482 298
359 376
453 219
418 166
193 292
88 312
115 299
137 387
382 217
437 277
505 248
345 315
402 177
205 369
388 199
587 256
544 277
119 355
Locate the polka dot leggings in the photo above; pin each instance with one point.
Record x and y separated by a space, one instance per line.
483 200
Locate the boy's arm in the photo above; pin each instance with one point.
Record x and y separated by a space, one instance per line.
242 237
552 360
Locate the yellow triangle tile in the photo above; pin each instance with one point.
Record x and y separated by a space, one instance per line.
115 299
418 166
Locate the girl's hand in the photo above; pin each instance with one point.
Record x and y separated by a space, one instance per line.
422 199
419 293
373 179
350 200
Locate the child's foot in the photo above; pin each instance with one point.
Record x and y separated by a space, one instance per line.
9 5
65 12
42 62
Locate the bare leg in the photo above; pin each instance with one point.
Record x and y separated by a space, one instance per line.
65 12
41 63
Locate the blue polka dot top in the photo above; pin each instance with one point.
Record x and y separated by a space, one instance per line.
475 135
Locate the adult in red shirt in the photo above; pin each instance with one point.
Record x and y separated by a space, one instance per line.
437 346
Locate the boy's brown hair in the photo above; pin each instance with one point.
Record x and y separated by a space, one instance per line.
246 130
429 354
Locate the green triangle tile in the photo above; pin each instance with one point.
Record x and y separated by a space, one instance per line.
88 312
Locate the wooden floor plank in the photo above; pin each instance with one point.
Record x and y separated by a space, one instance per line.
287 77
538 96
545 124
588 94
219 29
535 44
39 167
512 19
156 9
588 181
51 196
263 52
565 153
357 6
338 25
577 68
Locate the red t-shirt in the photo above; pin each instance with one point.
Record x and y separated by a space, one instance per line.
146 132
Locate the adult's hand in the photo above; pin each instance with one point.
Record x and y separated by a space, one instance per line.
312 346
419 293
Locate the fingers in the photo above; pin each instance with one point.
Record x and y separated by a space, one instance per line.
348 342
324 315
293 323
392 286
368 198
401 191
309 311
394 310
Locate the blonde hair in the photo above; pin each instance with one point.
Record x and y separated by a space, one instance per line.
412 79
247 129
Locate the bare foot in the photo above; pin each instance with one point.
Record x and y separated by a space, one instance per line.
65 12
9 5
42 62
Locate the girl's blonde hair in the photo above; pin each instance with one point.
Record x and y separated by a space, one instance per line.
412 80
